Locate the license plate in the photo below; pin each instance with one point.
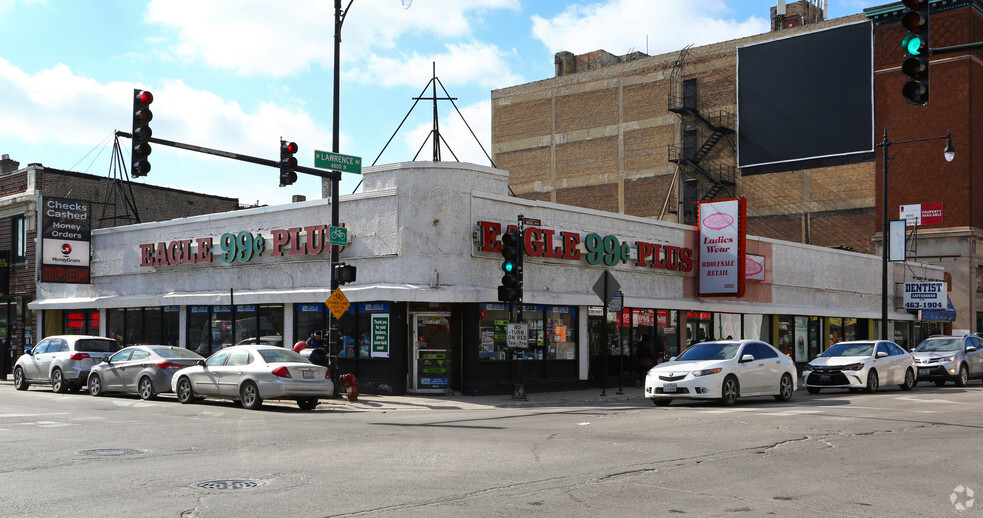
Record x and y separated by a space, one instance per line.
669 387
308 375
824 379
923 372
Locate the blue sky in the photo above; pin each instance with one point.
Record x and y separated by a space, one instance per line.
236 75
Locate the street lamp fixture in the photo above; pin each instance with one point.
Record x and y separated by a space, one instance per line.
950 154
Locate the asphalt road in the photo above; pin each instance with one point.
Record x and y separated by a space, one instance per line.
892 453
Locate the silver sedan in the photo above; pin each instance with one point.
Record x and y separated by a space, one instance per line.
251 373
141 369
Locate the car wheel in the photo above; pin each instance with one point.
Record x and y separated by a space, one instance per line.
20 383
872 382
58 382
95 385
784 389
909 380
729 391
249 395
939 383
661 401
963 378
813 390
307 403
146 388
185 394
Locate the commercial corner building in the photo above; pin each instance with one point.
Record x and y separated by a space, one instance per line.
423 314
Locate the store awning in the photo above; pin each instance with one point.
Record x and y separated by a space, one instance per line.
939 315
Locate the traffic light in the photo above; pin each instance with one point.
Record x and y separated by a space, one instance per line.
916 51
140 137
344 273
287 163
511 288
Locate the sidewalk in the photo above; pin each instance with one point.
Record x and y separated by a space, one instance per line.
591 397
372 402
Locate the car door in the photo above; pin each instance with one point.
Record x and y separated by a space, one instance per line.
233 372
773 369
205 381
112 372
890 366
31 365
131 370
974 358
47 359
751 374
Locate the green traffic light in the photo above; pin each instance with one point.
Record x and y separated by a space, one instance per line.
912 44
508 266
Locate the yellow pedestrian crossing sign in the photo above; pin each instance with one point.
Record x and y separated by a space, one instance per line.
337 303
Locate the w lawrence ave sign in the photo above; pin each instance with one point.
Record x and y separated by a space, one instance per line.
338 162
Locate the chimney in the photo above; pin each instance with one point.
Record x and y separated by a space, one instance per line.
298 198
565 63
7 165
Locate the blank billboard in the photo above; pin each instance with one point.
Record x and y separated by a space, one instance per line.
806 97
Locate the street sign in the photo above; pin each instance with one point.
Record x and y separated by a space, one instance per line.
617 302
518 336
338 162
606 287
338 236
337 303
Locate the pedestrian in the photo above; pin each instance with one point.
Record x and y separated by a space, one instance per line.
316 341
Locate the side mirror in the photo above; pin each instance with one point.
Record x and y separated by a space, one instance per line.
880 354
971 348
105 359
672 358
747 358
29 352
200 363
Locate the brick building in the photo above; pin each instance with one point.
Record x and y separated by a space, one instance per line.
20 191
651 136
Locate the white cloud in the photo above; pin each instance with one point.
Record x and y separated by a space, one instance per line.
655 26
259 37
472 63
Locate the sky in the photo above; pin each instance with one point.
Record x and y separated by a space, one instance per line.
239 75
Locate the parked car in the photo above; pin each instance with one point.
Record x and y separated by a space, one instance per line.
140 369
251 373
63 361
862 364
724 370
949 358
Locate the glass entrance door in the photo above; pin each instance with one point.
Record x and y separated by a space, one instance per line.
433 362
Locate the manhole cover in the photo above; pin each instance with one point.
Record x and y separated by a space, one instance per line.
229 484
111 452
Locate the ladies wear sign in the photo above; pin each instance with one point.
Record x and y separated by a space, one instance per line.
722 251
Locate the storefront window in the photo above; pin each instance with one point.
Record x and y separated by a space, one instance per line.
667 338
355 337
81 322
561 333
727 325
786 334
199 329
492 330
835 330
757 327
170 325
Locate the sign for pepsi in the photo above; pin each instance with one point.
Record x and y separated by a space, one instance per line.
65 236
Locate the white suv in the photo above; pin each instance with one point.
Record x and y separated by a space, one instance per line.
949 358
64 361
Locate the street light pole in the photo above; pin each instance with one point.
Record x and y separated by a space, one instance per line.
949 153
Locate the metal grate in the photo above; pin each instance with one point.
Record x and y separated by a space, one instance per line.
234 483
111 452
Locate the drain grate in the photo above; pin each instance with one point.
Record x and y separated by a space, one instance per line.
111 452
234 483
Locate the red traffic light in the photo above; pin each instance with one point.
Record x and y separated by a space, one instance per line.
290 147
144 98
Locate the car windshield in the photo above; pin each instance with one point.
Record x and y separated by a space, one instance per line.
281 355
850 349
940 344
710 351
175 352
96 346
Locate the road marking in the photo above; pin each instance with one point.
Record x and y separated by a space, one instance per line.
134 404
929 401
33 415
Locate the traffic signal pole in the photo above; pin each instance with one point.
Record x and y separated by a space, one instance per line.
331 175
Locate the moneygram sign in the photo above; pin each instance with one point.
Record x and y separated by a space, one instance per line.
65 233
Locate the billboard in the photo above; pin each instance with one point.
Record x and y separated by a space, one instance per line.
65 233
809 96
723 227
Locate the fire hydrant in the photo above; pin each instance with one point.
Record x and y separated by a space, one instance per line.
351 386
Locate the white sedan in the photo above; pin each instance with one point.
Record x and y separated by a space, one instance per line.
251 373
724 370
861 364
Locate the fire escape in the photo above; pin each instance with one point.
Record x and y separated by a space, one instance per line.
703 175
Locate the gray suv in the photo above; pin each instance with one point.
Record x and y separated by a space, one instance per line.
949 358
64 361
